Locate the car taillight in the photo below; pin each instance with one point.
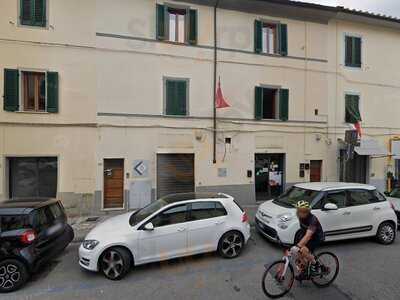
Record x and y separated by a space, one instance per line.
28 237
245 218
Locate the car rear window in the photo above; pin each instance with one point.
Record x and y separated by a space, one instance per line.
8 223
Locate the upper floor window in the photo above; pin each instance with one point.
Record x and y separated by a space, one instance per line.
352 105
176 97
271 103
176 24
270 38
30 91
353 51
33 12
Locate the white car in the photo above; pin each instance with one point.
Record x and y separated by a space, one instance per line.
173 226
345 211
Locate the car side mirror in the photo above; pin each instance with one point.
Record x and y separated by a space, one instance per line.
330 206
149 227
387 193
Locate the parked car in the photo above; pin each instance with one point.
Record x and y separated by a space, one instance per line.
173 226
31 233
394 198
345 210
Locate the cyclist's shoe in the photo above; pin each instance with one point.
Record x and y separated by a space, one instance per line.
315 269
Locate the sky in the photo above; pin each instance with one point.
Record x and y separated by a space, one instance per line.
387 7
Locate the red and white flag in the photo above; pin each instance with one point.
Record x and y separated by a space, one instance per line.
220 100
357 126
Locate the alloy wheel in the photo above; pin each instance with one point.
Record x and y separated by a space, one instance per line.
232 244
9 276
112 264
387 233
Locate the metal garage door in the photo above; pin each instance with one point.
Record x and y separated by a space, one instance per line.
175 174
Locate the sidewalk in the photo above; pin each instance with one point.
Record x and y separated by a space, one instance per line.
82 225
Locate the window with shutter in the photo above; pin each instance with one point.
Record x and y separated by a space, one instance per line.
352 113
176 97
270 38
353 51
33 12
271 104
177 24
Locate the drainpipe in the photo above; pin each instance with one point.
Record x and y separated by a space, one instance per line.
215 86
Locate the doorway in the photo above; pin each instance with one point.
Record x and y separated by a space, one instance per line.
269 175
315 170
354 170
113 183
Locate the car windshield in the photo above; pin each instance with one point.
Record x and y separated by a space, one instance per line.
146 211
295 194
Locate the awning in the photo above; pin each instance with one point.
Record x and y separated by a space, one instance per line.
371 147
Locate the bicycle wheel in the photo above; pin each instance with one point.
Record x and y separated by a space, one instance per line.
329 269
275 285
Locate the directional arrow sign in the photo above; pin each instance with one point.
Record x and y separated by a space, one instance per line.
140 168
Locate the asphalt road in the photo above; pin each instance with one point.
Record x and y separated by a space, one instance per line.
368 271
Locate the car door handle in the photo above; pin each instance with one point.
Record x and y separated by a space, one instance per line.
181 229
377 208
346 213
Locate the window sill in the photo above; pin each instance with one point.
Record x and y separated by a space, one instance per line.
32 112
175 116
353 67
46 27
177 43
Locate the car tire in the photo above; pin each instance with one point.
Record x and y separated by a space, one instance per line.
13 275
115 263
231 244
386 233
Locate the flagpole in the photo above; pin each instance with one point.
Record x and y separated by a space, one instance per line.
215 86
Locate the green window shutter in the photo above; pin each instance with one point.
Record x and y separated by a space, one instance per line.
284 104
357 52
161 21
258 36
258 103
193 26
26 9
11 90
39 13
352 109
52 92
283 39
348 51
176 98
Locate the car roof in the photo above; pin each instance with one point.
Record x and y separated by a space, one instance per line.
326 186
180 197
22 206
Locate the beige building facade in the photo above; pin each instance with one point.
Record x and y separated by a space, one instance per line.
134 119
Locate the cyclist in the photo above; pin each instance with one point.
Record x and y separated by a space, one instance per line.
310 238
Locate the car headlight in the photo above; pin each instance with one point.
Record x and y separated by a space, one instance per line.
90 244
285 217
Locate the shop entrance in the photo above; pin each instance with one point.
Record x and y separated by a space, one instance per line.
269 175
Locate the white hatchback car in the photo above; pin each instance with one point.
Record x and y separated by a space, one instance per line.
345 211
173 226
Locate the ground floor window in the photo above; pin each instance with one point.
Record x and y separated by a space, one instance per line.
269 175
33 177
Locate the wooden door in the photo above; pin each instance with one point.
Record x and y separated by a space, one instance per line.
113 183
315 170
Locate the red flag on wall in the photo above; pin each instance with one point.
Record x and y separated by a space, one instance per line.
220 100
357 125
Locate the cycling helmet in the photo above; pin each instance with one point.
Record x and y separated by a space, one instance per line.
303 204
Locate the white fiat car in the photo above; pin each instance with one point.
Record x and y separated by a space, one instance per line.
345 211
173 226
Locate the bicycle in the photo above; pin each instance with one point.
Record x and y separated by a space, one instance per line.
281 273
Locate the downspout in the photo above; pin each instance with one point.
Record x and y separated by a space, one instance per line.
215 86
